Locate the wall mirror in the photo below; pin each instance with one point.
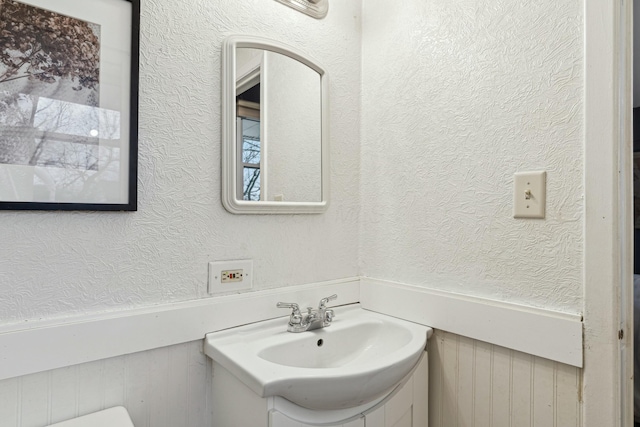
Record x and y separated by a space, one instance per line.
275 130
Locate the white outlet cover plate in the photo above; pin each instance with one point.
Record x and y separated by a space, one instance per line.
536 183
215 276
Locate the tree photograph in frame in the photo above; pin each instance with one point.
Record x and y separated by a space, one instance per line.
68 104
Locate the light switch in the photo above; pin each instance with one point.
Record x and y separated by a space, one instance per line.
529 194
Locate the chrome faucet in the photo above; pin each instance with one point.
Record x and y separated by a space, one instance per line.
312 319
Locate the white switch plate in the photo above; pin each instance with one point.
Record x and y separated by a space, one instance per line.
529 194
215 276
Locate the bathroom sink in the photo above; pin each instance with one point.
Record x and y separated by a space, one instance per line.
362 356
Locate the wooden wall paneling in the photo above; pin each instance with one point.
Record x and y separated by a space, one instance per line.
543 392
199 368
63 384
421 393
10 400
482 384
522 390
567 399
34 403
435 379
498 387
449 378
160 366
465 377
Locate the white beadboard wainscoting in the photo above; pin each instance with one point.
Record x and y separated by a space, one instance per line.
165 387
151 361
476 384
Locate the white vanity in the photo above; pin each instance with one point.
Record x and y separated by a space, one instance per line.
363 366
328 366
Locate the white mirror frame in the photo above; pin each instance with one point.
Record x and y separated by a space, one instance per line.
229 152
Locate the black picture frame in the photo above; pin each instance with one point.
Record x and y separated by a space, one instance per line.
84 177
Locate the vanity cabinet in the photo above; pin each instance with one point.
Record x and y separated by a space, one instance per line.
234 404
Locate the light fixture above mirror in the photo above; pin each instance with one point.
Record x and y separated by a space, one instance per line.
275 125
315 8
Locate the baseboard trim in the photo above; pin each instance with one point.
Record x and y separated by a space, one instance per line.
45 345
50 344
545 333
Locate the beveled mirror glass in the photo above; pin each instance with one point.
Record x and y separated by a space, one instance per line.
275 129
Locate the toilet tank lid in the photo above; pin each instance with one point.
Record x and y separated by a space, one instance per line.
113 417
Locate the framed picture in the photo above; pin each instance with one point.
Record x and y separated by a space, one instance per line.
69 104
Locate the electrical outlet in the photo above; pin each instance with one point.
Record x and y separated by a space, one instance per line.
230 276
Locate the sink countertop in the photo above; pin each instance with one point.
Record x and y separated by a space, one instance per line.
361 356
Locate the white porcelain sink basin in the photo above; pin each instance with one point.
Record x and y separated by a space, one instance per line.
363 355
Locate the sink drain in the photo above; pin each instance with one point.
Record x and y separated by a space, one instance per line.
320 342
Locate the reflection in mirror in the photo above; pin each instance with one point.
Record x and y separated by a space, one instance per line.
249 71
281 96
274 149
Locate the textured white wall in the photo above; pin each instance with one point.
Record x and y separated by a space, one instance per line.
55 264
458 95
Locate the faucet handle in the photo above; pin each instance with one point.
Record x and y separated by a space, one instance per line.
324 301
296 316
328 316
292 305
